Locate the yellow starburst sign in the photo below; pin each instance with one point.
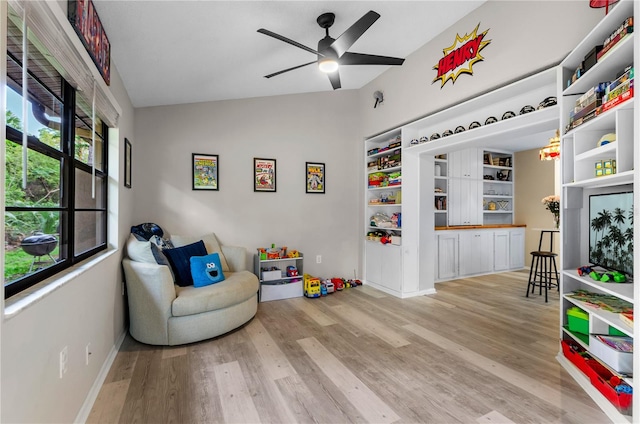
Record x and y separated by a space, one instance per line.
460 57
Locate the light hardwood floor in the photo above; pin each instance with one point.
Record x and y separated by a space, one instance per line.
478 351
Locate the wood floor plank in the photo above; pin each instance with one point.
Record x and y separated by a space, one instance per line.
173 351
366 322
494 417
273 360
109 403
372 408
237 405
312 311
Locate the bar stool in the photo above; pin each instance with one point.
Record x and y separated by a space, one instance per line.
543 272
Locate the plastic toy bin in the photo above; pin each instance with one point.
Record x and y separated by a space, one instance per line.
598 374
617 360
578 320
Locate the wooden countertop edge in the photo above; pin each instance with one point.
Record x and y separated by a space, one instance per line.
479 227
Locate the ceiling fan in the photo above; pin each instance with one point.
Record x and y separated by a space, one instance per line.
333 53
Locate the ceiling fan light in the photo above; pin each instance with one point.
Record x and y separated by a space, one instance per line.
328 65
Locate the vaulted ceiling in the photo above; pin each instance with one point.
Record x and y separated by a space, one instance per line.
173 52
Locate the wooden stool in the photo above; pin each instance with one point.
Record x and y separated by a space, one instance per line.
543 272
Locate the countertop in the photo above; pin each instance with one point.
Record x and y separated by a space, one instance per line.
476 227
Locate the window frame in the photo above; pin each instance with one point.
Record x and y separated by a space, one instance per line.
67 208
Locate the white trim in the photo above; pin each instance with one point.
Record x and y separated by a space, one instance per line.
85 410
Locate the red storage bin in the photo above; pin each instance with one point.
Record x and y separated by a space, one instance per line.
598 374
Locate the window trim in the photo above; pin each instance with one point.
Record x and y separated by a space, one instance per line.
67 208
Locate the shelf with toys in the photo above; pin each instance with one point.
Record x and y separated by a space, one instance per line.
279 272
598 119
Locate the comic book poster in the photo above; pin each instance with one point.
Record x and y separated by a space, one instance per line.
264 171
315 177
205 172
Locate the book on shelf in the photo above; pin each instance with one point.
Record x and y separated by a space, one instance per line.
627 318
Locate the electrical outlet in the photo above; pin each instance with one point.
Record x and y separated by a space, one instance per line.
87 353
64 359
319 259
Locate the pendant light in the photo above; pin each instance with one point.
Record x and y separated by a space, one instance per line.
551 150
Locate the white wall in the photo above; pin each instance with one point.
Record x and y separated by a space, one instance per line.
89 308
320 127
525 36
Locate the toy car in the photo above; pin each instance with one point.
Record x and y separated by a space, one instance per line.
328 285
311 286
584 270
338 283
292 271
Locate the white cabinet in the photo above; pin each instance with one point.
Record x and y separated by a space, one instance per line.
501 251
465 164
462 253
464 207
447 256
516 248
383 266
476 252
584 174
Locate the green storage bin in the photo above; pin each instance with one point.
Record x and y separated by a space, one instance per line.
615 332
578 320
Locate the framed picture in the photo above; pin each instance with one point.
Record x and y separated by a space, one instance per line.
205 170
127 163
264 174
85 21
314 172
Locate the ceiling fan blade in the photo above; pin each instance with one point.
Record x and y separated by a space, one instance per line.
368 59
351 35
289 41
334 77
289 69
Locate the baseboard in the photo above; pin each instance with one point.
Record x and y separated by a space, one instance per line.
85 410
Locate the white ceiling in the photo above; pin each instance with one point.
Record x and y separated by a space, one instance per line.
176 51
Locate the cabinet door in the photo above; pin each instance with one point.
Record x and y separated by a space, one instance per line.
501 254
372 262
447 256
476 252
391 267
516 248
465 163
465 202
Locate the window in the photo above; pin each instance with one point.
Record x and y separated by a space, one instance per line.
60 217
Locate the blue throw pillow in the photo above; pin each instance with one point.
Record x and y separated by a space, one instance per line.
179 260
206 270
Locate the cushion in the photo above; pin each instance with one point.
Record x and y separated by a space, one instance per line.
211 243
236 288
139 251
206 270
147 230
179 259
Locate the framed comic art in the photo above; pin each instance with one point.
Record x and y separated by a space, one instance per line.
204 171
85 21
314 175
264 174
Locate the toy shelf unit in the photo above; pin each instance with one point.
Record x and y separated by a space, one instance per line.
275 281
383 156
599 158
497 187
440 190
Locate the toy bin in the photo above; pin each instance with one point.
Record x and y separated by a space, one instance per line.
271 275
576 354
601 378
578 320
618 360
